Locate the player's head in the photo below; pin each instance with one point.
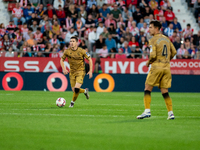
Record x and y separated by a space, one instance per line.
154 27
73 41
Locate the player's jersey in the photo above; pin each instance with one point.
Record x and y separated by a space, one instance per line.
161 52
76 58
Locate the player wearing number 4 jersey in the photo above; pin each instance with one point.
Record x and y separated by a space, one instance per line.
161 52
76 56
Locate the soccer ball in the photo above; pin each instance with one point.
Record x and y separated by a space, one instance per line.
60 102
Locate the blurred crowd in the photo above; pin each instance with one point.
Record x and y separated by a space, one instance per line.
105 28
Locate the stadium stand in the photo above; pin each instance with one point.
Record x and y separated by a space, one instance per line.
47 27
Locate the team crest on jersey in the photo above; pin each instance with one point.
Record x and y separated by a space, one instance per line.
87 54
151 50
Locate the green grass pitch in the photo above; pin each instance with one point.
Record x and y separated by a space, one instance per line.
30 120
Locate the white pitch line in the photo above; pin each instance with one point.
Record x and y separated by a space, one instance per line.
69 115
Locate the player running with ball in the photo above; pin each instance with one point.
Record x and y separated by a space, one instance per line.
161 52
76 56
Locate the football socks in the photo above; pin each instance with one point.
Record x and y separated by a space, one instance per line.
147 99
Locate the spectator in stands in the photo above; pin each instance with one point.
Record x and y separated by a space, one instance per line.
127 34
177 24
164 4
134 29
94 12
68 24
50 11
17 14
38 35
142 43
153 4
126 14
69 34
120 31
92 38
90 3
35 3
105 33
137 14
181 52
187 43
89 22
169 15
48 49
10 28
198 55
145 54
72 12
196 39
23 3
169 31
6 42
45 19
116 13
110 42
164 24
177 43
33 18
54 53
40 10
34 26
56 28
46 3
173 37
120 54
133 43
79 26
158 13
109 21
99 43
137 53
121 22
197 8
48 34
186 55
101 27
28 52
31 41
120 44
147 13
145 28
82 14
127 50
192 51
10 52
113 32
54 40
43 28
188 31
140 24
28 12
100 3
58 3
133 4
104 11
103 53
110 3
61 15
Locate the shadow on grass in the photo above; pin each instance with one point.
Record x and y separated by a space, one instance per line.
131 120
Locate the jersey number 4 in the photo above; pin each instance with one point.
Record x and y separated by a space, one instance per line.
164 51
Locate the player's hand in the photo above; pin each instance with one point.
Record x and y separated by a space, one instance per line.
147 64
65 72
90 74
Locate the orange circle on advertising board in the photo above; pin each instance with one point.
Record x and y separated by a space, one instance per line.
51 79
6 79
111 83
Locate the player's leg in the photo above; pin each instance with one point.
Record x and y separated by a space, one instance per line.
73 83
147 102
152 80
165 84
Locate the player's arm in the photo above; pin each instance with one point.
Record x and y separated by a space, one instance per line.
173 51
87 56
91 67
152 57
65 71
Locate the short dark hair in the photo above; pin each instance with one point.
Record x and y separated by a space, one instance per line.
74 37
38 28
188 25
156 24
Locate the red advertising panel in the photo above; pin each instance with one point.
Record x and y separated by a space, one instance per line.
120 66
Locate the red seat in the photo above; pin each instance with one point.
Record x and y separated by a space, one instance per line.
11 6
